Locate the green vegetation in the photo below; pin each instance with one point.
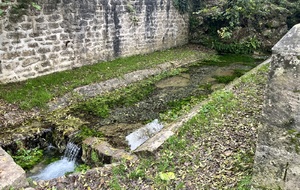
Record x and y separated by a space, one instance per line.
82 168
95 157
228 59
247 46
85 132
294 137
37 92
18 9
227 79
100 106
27 158
183 6
180 107
244 183
207 140
238 26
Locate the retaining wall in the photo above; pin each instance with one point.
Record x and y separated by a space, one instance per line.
66 34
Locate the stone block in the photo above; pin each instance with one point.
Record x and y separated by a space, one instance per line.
56 48
40 19
5 43
11 174
43 50
41 27
16 35
58 31
28 53
33 45
53 56
277 156
98 152
35 35
11 55
46 64
29 75
64 36
52 37
30 61
26 26
53 25
3 48
50 8
23 70
54 17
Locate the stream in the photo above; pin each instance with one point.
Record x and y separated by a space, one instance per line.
127 126
67 163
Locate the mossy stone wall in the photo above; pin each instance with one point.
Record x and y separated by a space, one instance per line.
66 34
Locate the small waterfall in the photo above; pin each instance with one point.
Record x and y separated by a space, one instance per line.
62 166
71 151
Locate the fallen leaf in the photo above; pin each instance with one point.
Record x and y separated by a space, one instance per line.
166 176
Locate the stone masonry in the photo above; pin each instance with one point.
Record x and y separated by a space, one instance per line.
277 161
67 34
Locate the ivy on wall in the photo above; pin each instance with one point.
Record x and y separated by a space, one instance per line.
236 25
183 6
15 10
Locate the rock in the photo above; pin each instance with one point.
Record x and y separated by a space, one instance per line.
11 174
98 152
217 86
277 154
176 81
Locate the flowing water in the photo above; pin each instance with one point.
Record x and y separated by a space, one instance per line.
56 169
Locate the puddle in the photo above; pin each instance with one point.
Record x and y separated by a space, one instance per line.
177 81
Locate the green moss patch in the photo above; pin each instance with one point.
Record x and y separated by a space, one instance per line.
27 158
228 59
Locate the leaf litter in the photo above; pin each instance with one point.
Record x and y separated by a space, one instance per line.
214 150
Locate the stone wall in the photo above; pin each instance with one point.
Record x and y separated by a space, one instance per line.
277 162
66 34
